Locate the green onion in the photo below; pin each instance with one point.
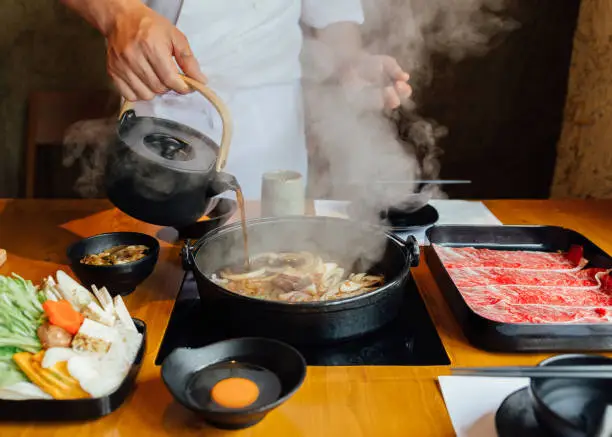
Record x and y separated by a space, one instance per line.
21 314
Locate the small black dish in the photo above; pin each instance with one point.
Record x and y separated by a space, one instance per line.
403 221
515 416
119 279
220 212
571 407
277 369
71 410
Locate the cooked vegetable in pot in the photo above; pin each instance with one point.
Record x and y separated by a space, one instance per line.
295 277
116 255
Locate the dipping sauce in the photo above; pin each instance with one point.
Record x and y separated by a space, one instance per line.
235 392
116 255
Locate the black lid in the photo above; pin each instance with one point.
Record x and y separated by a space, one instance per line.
168 143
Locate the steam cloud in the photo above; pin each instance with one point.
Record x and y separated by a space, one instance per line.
357 144
87 142
364 146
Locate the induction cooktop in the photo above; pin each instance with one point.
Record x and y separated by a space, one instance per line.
409 340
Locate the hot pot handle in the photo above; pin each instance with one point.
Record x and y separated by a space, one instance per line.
187 258
218 104
411 246
414 250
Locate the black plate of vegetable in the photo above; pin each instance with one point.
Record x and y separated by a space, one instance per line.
67 354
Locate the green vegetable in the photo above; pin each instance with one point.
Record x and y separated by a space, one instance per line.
21 314
9 371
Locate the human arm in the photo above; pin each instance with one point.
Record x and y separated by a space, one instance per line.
142 47
360 70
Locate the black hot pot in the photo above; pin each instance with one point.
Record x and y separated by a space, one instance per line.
165 173
356 246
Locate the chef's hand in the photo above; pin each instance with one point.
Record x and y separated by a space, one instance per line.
378 81
141 54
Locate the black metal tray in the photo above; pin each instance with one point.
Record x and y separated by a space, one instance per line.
517 337
38 410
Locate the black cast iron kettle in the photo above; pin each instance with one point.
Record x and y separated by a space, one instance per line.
163 172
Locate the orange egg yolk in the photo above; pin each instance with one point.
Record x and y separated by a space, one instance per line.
235 392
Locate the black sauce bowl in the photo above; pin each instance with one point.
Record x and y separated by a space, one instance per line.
286 363
568 407
119 279
403 221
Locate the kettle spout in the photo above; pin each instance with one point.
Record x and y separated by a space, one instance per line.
221 183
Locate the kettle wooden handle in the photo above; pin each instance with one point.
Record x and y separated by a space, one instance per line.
211 96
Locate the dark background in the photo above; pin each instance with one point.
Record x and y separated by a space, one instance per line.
504 111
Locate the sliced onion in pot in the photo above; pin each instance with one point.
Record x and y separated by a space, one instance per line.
349 287
254 274
332 274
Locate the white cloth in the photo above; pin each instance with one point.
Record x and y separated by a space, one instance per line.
249 50
472 402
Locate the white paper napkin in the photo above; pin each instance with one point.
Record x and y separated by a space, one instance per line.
472 402
452 212
463 212
332 208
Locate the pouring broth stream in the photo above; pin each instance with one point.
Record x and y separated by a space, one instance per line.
245 233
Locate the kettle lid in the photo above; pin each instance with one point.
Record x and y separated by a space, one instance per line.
167 143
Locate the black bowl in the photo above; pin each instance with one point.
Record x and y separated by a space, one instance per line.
571 407
119 279
221 211
403 221
283 369
515 416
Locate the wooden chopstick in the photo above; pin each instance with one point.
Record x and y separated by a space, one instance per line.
582 372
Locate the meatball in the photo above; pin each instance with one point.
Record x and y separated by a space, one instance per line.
53 336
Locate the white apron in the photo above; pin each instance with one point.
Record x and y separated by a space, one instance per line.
249 50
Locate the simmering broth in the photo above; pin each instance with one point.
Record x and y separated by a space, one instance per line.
295 277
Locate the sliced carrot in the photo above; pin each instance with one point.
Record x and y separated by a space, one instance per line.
62 314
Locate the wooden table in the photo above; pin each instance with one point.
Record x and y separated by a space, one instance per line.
334 401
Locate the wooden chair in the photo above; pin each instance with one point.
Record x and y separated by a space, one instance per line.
50 113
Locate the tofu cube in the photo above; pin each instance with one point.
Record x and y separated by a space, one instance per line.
94 337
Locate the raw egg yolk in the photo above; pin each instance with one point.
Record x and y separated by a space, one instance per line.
235 392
